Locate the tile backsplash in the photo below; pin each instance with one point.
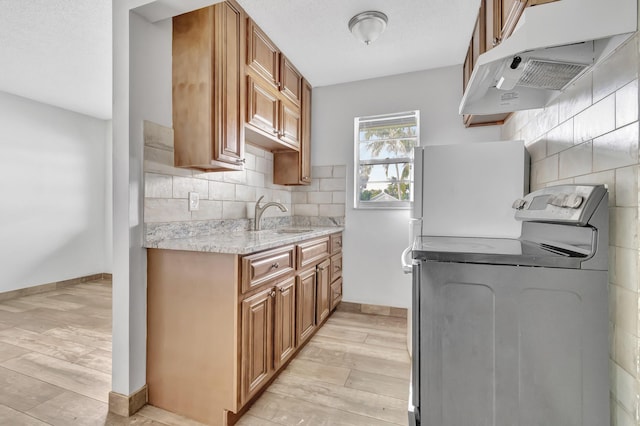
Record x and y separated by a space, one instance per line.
227 199
590 134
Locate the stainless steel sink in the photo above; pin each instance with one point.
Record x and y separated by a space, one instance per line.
292 231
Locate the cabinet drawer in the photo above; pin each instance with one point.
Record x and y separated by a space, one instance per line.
336 243
311 251
259 268
336 267
336 293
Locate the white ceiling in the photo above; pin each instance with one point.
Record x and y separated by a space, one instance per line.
59 51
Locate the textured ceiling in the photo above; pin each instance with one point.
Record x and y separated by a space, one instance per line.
421 34
59 51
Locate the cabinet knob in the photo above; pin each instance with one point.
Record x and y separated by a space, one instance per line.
282 290
495 41
275 131
273 293
305 177
321 269
241 160
338 268
275 265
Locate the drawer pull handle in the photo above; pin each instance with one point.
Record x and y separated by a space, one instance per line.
275 265
321 269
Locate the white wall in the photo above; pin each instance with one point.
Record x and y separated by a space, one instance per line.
52 181
373 240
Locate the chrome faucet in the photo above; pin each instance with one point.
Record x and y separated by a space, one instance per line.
260 210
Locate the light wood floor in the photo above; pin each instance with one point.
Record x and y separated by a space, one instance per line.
55 368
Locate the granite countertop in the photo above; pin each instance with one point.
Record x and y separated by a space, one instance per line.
244 242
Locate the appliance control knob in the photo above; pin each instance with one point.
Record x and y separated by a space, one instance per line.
557 200
518 204
573 201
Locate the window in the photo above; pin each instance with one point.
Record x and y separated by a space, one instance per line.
384 159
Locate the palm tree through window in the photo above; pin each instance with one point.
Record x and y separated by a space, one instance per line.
384 159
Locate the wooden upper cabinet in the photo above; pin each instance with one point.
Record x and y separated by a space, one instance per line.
290 125
209 88
294 167
290 81
263 56
262 107
509 14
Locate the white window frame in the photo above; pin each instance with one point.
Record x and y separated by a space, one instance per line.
401 204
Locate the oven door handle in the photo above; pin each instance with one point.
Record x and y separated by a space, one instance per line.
406 260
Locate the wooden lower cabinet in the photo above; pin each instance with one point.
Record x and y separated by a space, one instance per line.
285 326
306 302
323 291
257 342
216 338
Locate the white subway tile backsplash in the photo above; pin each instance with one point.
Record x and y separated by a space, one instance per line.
627 388
319 197
331 210
575 98
622 417
157 185
245 193
616 149
598 119
235 177
306 210
249 161
234 210
158 136
333 184
625 352
183 185
261 165
537 149
255 178
616 71
161 161
318 172
560 137
222 191
575 161
339 197
166 210
208 210
339 171
626 187
625 227
627 310
299 197
545 170
258 152
627 104
626 268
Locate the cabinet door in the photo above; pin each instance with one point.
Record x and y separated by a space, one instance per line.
510 11
228 90
208 87
262 107
257 342
306 301
289 124
290 81
305 136
285 326
263 56
323 289
336 267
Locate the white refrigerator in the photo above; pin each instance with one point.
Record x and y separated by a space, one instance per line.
465 190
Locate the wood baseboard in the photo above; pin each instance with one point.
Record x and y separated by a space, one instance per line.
362 308
12 294
128 405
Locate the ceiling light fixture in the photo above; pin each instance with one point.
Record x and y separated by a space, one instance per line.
367 26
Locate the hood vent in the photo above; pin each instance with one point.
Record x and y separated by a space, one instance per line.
544 54
549 75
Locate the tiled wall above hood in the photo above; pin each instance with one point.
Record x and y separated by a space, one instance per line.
552 45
